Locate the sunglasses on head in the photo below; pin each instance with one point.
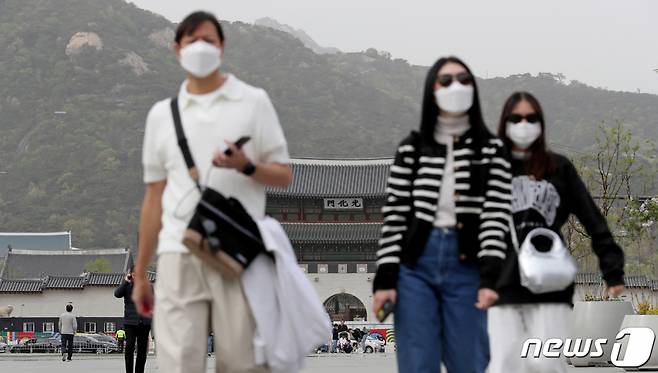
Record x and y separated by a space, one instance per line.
517 118
445 80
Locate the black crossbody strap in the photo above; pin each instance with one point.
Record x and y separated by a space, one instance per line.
182 142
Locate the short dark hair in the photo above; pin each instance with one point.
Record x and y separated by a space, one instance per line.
193 21
69 307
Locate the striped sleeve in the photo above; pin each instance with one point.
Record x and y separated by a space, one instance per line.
495 217
396 213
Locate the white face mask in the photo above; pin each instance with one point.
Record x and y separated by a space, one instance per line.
200 58
523 134
454 99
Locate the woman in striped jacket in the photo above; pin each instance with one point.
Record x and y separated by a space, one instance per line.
445 220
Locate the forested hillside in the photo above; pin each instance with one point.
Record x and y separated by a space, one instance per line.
77 78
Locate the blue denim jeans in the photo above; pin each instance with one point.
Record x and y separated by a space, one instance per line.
435 317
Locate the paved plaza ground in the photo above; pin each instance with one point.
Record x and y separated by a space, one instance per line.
326 363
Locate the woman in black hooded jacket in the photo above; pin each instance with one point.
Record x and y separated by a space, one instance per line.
546 190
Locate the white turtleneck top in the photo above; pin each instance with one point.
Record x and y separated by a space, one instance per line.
446 130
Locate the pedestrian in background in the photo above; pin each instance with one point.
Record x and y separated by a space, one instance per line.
211 344
334 338
137 327
68 325
121 339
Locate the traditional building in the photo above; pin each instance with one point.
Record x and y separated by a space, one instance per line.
36 285
332 214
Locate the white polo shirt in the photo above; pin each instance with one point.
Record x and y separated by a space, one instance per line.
234 110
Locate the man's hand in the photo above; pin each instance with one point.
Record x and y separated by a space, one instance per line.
381 296
486 298
615 291
143 296
237 160
128 278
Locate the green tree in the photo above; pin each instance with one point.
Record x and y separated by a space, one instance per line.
615 171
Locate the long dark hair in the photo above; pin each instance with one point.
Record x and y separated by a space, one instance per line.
541 161
430 110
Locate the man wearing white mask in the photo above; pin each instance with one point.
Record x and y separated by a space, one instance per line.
216 110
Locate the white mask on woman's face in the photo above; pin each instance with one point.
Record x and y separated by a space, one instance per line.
523 134
454 99
200 58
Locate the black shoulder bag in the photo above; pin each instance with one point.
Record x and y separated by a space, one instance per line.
221 232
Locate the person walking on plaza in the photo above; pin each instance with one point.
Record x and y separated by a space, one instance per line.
68 325
216 109
211 344
546 191
121 338
342 327
334 338
137 328
442 241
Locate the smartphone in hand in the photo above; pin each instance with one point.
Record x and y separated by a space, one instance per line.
241 141
386 310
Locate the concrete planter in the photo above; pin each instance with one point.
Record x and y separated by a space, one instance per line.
647 321
598 319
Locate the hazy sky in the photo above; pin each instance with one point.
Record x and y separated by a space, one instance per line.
604 43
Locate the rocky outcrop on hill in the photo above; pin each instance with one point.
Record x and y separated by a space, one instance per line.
137 63
82 39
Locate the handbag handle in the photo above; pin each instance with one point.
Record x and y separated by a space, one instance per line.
556 241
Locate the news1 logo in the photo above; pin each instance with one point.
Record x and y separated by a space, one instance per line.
638 347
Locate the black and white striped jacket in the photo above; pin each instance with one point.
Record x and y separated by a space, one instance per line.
482 199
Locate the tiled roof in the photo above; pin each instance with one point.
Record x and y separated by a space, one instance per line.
110 279
631 281
332 232
335 178
637 281
588 278
39 264
104 279
64 282
21 286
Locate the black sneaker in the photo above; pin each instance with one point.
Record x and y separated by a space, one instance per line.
63 357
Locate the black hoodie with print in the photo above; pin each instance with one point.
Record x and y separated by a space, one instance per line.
548 203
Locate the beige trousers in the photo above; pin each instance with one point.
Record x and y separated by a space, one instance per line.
190 299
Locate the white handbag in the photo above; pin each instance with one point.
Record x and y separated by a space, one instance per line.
544 271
